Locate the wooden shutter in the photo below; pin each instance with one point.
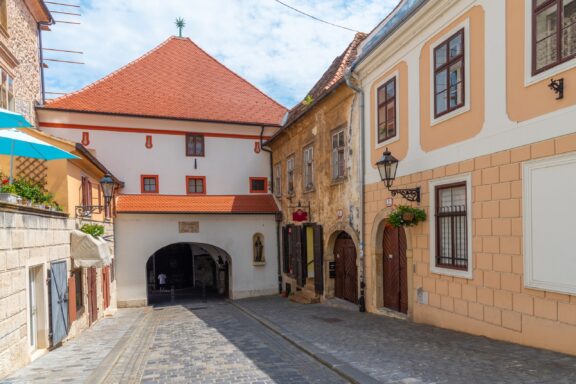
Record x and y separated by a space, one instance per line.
286 250
71 299
318 260
297 254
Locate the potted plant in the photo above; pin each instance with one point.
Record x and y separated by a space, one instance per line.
406 216
8 192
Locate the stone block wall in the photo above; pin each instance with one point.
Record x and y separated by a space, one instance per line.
31 239
495 302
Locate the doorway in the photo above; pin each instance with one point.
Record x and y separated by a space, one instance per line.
92 296
36 297
346 270
395 269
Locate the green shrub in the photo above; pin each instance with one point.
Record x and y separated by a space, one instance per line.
406 216
95 230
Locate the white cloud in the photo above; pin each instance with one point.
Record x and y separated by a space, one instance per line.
278 50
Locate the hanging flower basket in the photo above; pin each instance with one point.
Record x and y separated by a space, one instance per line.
406 216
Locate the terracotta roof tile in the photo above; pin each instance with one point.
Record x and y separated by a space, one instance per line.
329 80
176 80
196 204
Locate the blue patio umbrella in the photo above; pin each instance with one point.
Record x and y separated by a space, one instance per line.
16 143
9 119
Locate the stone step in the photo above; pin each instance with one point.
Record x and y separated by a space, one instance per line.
299 298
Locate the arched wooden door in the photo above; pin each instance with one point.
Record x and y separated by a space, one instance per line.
346 271
395 269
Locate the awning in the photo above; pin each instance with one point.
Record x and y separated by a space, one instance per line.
88 251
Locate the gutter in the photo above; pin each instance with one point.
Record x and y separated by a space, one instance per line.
350 82
278 222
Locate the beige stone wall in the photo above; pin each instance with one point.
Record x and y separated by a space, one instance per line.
495 302
29 240
328 197
22 42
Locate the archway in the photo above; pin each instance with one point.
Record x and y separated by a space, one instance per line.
187 271
346 269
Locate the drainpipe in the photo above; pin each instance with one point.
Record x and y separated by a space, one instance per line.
350 83
41 56
278 228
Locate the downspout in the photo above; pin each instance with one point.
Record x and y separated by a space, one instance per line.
350 83
278 228
41 55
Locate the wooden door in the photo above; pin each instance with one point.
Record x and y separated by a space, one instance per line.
318 260
106 286
92 297
395 269
346 271
58 301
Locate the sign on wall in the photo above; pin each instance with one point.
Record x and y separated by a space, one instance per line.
188 226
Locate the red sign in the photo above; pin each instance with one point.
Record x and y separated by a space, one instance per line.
300 215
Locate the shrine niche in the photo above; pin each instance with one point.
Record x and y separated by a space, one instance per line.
258 248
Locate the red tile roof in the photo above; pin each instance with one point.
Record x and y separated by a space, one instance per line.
176 80
196 204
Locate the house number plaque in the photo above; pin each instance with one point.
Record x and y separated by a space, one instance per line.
189 227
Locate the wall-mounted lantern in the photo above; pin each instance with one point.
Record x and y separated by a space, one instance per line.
387 166
107 185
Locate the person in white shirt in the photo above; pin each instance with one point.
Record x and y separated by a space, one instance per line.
162 281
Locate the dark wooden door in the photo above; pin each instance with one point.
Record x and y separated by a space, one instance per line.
346 271
92 297
395 269
106 286
318 260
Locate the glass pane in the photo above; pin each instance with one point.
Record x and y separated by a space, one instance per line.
340 163
455 95
335 141
381 115
441 102
441 81
440 56
546 23
334 164
200 186
546 43
341 139
199 146
445 235
390 120
381 94
455 46
569 28
390 90
540 2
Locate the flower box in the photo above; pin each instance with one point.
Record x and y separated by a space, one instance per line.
9 197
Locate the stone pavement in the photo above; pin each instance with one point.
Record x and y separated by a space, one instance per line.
397 351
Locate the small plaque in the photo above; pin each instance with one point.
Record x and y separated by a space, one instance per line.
189 227
332 269
389 202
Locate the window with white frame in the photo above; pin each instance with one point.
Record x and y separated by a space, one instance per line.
386 99
278 179
449 80
308 168
338 155
290 174
450 230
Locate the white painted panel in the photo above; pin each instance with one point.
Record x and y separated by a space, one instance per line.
550 235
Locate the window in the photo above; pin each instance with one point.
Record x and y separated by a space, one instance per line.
258 185
3 15
387 110
86 191
449 74
7 100
451 226
308 168
338 155
79 296
278 180
194 145
290 174
149 184
196 185
554 33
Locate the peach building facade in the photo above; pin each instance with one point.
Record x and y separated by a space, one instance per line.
476 123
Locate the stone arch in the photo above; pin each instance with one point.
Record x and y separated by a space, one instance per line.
375 287
330 236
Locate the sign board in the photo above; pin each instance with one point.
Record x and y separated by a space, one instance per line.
188 227
332 269
300 215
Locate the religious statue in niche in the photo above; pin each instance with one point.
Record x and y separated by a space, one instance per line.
258 249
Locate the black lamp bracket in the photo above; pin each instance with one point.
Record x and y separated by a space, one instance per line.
88 210
410 194
558 87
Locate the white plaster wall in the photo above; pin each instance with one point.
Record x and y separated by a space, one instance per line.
499 132
227 165
138 236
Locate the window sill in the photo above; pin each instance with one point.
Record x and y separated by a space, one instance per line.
311 190
259 263
338 181
462 273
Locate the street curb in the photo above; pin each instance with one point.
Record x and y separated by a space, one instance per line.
103 370
341 368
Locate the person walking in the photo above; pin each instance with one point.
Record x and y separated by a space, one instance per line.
162 281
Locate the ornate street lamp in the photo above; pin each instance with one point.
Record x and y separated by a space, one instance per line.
107 186
387 166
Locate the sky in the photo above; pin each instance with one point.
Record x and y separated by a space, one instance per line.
278 50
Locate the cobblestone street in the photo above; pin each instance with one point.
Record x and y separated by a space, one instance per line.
271 340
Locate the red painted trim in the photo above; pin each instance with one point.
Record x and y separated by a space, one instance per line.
142 177
265 184
148 130
203 178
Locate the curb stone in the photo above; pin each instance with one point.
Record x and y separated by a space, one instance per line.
341 368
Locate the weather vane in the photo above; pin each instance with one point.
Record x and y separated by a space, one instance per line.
180 23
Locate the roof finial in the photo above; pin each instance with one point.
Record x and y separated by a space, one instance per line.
180 23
